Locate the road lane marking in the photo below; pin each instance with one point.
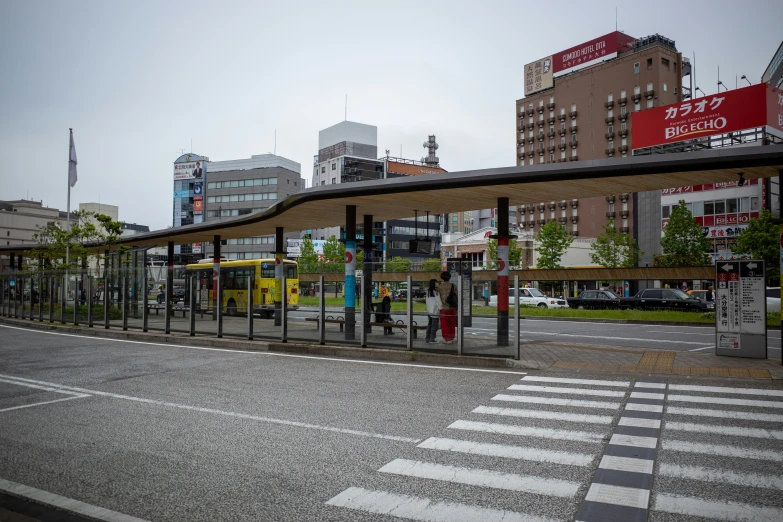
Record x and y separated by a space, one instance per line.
275 354
586 382
727 414
634 441
636 422
575 391
650 385
721 450
545 415
733 431
420 508
722 389
45 402
23 382
702 348
269 420
627 464
509 452
482 477
645 395
634 406
65 503
526 431
724 401
618 495
721 476
714 510
556 402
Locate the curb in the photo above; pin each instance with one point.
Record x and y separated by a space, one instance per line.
348 352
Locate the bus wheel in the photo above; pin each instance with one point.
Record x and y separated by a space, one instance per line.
231 308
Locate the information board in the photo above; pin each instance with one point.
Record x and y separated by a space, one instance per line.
740 309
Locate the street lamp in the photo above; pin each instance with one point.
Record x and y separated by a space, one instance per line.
743 77
721 83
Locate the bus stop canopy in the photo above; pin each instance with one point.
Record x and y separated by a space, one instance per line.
325 206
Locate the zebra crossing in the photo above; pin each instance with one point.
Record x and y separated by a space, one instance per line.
720 455
527 454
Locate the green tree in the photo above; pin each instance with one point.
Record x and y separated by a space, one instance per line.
514 254
334 251
762 241
308 258
432 264
614 249
398 264
553 240
683 243
359 259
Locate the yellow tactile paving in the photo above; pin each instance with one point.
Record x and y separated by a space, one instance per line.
719 372
739 372
758 373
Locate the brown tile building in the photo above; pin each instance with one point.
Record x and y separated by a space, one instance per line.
588 114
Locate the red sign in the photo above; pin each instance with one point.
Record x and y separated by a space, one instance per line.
590 53
727 111
198 204
775 109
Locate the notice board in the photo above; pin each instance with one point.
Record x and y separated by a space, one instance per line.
741 309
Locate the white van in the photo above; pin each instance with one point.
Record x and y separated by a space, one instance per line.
530 297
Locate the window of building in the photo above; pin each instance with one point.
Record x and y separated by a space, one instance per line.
636 68
665 211
562 139
573 138
273 181
623 126
573 107
592 135
541 158
334 181
611 129
676 91
211 185
709 208
732 206
562 154
611 114
562 110
323 182
650 104
624 142
664 88
530 120
551 156
592 148
590 103
649 63
334 166
720 207
551 128
551 99
623 109
636 107
323 170
637 89
744 204
665 63
609 98
649 86
573 152
562 125
622 94
530 162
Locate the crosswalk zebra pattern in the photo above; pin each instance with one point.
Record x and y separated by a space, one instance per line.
720 455
527 454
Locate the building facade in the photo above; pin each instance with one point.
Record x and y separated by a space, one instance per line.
579 105
21 219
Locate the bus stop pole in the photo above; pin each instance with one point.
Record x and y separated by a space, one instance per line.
50 286
40 291
459 314
217 289
283 306
64 294
409 304
125 292
251 279
192 305
106 300
89 301
516 317
363 306
321 311
144 296
169 285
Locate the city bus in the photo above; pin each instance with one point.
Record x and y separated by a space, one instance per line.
233 281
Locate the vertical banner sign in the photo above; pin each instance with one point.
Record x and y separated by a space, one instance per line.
503 274
350 274
279 277
741 309
215 279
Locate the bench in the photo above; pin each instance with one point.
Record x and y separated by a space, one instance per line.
341 322
174 309
329 319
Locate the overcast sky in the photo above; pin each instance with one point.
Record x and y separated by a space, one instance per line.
138 81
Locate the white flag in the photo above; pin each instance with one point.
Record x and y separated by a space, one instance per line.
72 164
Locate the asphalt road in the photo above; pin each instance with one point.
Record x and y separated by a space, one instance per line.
184 433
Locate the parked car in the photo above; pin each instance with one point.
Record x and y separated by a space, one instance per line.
530 297
666 298
773 299
595 299
698 294
178 293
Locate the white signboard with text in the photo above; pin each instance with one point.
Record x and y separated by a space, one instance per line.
740 309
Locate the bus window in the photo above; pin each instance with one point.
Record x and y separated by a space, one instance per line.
227 278
268 269
290 272
240 279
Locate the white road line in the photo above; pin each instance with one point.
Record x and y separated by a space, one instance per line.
274 354
225 413
80 396
703 334
509 452
722 389
644 395
65 503
603 337
419 508
525 431
640 423
482 477
724 414
557 402
721 450
702 348
585 382
634 441
721 476
723 401
546 415
574 391
18 382
715 510
634 406
618 495
627 464
652 385
756 433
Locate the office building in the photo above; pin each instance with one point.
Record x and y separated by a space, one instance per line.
578 106
21 219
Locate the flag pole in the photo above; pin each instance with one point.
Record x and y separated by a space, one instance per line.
68 221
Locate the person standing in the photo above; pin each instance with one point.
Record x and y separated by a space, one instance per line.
448 315
434 304
710 294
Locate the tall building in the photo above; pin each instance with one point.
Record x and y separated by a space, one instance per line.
243 186
21 219
773 74
188 200
578 106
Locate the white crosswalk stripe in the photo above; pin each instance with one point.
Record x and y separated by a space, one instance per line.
509 452
585 382
547 415
557 402
713 446
526 431
576 391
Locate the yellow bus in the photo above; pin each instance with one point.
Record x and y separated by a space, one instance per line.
233 281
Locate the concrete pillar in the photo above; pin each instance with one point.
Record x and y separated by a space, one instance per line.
169 286
503 238
280 293
367 275
350 272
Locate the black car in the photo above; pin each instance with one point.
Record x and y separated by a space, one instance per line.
666 298
178 293
595 299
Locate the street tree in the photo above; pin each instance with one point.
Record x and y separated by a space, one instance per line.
308 258
553 241
432 264
398 264
334 254
514 254
614 249
762 241
683 243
